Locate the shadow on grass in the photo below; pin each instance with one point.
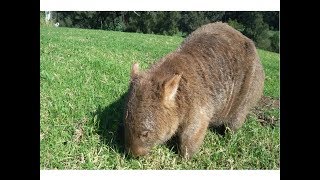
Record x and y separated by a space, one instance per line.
173 144
221 130
110 124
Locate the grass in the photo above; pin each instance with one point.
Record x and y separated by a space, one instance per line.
84 76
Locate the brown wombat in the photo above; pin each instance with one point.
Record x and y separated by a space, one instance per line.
213 78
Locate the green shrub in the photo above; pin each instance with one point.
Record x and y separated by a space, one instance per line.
275 41
235 24
264 42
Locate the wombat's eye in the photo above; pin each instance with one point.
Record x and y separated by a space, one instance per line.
144 134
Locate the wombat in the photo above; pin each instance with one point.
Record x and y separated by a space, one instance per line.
214 78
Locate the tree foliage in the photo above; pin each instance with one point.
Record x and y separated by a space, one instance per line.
261 27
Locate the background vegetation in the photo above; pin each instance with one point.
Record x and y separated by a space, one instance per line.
261 27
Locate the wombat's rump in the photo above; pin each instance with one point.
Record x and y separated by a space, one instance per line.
213 78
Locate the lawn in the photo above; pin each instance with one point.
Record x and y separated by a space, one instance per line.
84 76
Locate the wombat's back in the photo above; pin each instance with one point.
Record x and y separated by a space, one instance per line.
219 38
219 67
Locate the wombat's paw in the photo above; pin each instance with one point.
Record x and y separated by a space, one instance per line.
232 127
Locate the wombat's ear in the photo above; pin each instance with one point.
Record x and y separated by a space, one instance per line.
171 87
134 70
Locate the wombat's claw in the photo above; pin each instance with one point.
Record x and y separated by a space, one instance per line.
186 154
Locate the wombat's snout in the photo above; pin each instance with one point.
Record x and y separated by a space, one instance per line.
138 151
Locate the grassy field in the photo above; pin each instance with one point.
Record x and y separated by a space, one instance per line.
84 76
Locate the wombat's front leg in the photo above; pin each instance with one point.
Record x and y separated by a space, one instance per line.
192 137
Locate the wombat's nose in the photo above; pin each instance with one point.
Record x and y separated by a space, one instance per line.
139 151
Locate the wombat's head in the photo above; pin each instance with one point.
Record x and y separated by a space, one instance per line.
151 114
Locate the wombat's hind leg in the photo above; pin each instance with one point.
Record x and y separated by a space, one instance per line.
251 91
235 122
192 137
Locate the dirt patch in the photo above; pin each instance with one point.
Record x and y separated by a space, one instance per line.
268 102
79 132
263 108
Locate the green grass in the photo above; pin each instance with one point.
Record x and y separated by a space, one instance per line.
84 75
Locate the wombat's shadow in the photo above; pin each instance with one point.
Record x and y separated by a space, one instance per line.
111 129
110 124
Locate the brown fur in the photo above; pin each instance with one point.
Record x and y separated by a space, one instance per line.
213 78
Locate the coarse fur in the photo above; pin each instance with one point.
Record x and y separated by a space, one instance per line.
214 78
